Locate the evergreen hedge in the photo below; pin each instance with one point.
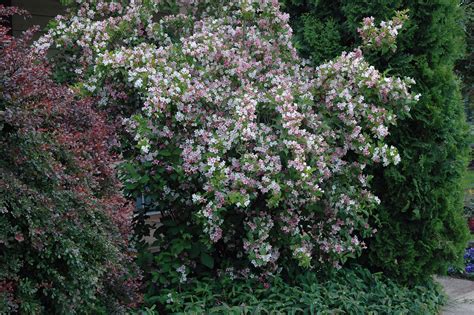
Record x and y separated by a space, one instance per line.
465 66
421 222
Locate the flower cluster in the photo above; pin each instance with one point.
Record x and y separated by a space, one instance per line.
234 133
385 35
469 260
467 269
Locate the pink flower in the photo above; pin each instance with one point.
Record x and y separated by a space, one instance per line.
260 135
19 237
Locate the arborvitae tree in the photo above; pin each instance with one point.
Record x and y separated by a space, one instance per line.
465 66
421 224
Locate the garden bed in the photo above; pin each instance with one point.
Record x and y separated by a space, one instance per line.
352 290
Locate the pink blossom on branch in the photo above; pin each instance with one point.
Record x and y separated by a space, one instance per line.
385 35
260 134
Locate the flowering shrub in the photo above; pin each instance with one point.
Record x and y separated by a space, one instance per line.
385 35
421 228
64 226
252 157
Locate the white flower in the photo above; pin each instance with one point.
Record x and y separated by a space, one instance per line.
382 131
196 198
179 116
139 83
170 298
182 271
396 159
377 199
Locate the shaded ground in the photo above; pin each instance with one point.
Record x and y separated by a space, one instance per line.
461 296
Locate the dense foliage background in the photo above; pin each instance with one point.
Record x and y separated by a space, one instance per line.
421 223
266 170
465 66
64 226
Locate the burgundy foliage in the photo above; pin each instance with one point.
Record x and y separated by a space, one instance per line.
64 224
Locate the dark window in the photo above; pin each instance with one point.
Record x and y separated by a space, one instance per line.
41 12
8 20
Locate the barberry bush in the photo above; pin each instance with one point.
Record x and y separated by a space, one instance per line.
255 160
64 225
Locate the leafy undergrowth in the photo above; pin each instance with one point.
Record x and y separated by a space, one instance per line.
347 291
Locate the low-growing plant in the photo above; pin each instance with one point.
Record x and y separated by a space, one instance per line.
347 291
469 260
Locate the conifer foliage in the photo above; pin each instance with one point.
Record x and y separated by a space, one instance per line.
421 225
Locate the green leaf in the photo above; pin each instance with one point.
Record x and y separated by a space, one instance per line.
207 260
195 250
165 153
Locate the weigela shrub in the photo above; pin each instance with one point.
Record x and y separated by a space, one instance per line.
252 157
421 228
64 226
